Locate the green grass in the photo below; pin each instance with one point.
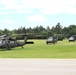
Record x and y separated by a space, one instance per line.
63 49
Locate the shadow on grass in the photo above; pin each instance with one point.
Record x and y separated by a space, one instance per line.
6 49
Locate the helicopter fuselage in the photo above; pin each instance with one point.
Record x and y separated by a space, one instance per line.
8 44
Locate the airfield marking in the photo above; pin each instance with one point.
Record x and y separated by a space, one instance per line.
37 66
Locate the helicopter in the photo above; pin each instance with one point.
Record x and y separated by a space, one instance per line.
52 39
8 43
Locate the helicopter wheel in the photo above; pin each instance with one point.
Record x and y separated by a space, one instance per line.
22 46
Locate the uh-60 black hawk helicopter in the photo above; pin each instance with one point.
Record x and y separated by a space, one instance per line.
8 43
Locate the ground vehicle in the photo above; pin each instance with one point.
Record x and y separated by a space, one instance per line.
51 39
72 38
8 43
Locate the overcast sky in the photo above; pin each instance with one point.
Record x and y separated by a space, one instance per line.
32 13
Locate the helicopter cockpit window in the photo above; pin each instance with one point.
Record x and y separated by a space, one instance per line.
11 41
0 41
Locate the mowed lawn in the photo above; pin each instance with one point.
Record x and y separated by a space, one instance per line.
63 49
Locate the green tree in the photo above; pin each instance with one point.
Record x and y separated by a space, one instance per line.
58 29
72 30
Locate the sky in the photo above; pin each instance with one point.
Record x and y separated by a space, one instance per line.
31 13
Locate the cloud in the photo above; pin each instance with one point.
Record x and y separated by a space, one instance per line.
25 11
14 5
9 4
45 6
60 6
8 21
4 13
36 18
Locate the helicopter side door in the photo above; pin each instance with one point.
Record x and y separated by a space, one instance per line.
12 44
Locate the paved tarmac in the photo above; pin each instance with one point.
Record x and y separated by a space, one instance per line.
37 66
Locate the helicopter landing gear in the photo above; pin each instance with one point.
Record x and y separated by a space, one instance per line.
22 46
8 46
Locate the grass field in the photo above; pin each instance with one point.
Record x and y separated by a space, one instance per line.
63 49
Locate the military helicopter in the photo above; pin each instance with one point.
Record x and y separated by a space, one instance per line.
52 39
8 43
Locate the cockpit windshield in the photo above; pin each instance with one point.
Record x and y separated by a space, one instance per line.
0 41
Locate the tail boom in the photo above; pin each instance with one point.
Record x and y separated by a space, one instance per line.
30 42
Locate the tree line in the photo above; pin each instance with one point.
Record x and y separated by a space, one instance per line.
39 32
